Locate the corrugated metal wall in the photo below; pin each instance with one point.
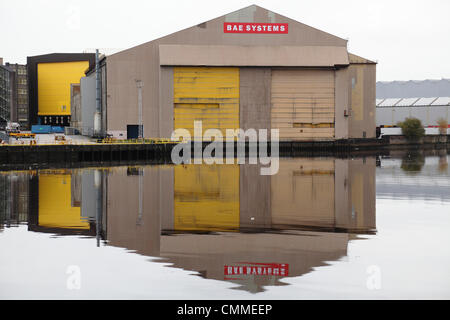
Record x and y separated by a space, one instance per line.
88 105
303 104
362 78
75 106
207 94
255 98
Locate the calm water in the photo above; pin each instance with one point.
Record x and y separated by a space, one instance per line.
322 228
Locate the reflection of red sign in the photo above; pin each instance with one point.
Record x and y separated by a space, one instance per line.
238 27
259 269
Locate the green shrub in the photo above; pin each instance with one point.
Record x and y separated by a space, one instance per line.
413 162
412 128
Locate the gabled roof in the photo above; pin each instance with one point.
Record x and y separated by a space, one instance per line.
413 102
255 12
208 43
211 32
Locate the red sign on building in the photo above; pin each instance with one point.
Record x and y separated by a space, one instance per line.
239 27
258 269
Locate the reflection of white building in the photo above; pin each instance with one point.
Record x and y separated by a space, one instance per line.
431 182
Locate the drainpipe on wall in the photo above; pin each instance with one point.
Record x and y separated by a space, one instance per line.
139 85
98 105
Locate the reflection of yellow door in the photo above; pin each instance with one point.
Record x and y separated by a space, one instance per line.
206 94
55 209
206 197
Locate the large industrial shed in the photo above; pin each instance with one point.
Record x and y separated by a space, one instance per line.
251 68
50 80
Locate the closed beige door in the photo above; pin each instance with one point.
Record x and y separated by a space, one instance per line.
303 104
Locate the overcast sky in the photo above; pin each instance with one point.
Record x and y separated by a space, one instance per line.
410 40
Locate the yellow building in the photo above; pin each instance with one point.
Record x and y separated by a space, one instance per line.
51 78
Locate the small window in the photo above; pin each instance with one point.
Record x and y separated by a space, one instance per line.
133 171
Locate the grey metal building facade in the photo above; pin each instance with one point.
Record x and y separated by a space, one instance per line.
302 81
83 112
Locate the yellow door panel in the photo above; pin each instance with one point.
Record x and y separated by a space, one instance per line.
206 197
54 80
206 94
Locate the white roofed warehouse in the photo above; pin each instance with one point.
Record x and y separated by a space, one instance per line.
251 68
429 111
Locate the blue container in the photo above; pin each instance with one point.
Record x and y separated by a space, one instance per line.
56 129
38 128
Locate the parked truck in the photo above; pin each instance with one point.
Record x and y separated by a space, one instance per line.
12 127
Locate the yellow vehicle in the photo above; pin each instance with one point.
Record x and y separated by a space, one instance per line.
22 135
60 137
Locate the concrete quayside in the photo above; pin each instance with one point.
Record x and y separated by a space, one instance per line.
160 151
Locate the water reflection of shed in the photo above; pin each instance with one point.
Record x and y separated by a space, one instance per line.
55 204
211 254
301 217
